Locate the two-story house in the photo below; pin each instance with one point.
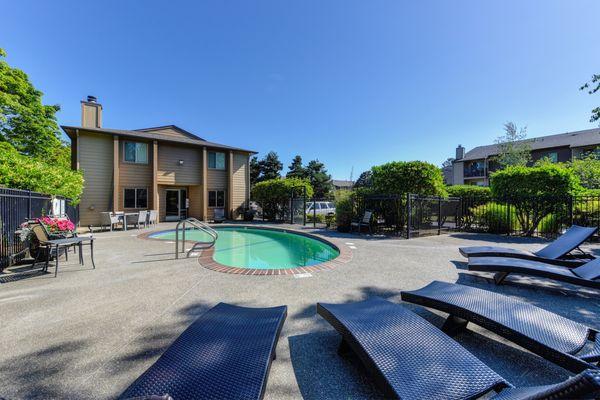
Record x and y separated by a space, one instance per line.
474 167
163 168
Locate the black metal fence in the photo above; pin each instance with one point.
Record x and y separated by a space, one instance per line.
16 207
414 215
542 216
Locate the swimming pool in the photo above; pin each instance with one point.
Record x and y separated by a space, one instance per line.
261 249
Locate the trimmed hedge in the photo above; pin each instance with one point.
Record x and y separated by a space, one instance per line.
273 195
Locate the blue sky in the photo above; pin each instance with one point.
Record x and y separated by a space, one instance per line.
352 83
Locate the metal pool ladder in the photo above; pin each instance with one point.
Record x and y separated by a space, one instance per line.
196 224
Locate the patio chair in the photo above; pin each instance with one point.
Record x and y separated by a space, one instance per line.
365 221
152 217
53 246
587 274
110 220
225 354
410 358
554 253
565 342
141 220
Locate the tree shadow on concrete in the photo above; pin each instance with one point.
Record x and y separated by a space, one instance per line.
322 374
41 373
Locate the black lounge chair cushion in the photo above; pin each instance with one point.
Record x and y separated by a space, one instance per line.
589 271
225 354
586 385
543 332
585 275
559 248
411 358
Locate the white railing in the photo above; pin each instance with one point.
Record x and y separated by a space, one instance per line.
195 224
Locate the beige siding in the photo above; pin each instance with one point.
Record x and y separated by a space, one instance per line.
96 162
133 175
239 175
195 195
216 179
168 131
169 170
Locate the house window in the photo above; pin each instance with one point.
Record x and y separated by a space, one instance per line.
136 152
135 198
216 160
216 198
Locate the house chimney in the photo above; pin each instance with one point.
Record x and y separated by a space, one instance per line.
91 113
460 152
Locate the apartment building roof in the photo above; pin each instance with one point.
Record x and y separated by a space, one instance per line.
154 133
583 138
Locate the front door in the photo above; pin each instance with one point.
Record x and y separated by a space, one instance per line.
176 204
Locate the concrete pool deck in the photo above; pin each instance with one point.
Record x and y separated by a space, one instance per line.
88 334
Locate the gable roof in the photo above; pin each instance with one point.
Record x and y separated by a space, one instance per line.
154 134
175 128
342 183
583 138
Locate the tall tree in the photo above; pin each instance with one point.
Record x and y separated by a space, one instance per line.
320 180
254 170
513 150
296 170
365 180
270 167
25 123
592 87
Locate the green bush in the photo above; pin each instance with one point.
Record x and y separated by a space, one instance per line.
494 218
482 193
588 171
402 177
534 191
18 171
344 213
273 195
550 225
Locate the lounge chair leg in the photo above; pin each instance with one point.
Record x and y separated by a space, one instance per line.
454 325
499 277
92 253
56 269
344 348
274 355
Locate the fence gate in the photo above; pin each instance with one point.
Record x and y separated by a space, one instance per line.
432 215
298 205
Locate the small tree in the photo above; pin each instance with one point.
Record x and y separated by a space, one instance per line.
317 175
592 87
296 170
273 195
513 150
535 192
402 177
270 167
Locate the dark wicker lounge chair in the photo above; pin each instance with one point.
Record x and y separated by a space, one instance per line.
549 335
411 359
224 354
587 274
556 253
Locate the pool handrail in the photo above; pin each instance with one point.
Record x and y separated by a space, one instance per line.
204 227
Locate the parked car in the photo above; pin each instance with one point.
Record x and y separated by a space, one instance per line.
322 208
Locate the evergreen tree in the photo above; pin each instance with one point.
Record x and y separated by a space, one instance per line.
364 180
513 149
296 170
254 171
320 180
270 167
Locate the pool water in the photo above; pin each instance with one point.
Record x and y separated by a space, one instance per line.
243 247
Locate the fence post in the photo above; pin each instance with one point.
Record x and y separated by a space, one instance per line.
571 210
304 206
439 215
508 218
408 215
314 212
29 204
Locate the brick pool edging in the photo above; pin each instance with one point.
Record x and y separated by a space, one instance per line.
206 256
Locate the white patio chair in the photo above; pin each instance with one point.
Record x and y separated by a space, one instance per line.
142 215
110 220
